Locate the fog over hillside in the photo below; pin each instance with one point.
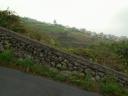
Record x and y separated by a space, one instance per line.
119 24
107 16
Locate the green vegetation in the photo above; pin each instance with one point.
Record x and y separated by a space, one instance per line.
108 86
6 56
108 50
104 49
9 20
26 63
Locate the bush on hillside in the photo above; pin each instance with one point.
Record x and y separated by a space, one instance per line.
11 21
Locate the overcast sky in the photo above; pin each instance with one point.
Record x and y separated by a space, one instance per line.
107 16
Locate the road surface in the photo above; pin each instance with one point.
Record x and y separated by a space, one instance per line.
16 83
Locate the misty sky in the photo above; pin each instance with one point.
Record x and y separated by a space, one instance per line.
107 16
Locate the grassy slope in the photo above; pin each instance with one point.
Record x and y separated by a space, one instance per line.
96 47
66 36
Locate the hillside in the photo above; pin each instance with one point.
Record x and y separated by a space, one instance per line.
27 55
67 37
100 48
50 53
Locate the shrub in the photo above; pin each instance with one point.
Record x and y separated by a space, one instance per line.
109 86
60 77
26 63
44 71
85 81
9 20
6 56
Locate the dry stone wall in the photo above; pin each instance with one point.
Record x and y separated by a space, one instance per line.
43 54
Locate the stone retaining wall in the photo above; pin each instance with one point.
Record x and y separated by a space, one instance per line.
44 54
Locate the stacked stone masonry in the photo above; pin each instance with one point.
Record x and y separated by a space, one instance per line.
43 54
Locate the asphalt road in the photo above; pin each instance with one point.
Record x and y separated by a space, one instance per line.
15 83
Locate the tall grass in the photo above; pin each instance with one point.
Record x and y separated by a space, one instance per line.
6 56
26 63
110 87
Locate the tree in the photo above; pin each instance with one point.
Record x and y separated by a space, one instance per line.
55 22
9 20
